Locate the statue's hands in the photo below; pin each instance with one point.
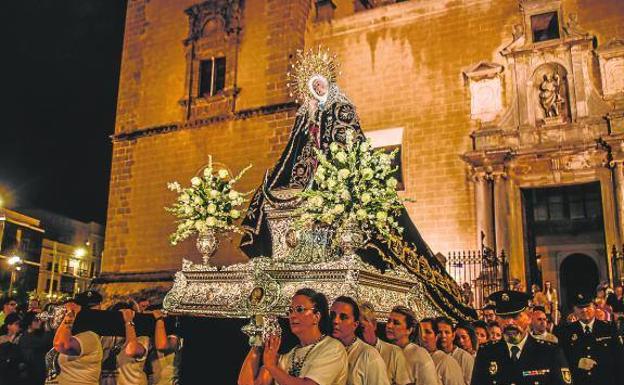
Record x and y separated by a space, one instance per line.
271 348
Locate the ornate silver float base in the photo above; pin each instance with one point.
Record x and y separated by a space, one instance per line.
263 287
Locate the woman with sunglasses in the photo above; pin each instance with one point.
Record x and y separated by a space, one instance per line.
317 360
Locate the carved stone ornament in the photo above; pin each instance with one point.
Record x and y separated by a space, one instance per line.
572 162
578 161
486 91
611 59
518 39
572 28
227 11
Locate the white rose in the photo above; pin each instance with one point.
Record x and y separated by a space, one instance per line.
361 214
185 197
211 221
223 173
188 210
368 173
333 147
195 181
320 170
212 208
331 184
364 146
365 198
341 157
214 193
339 209
233 195
343 173
381 216
345 196
200 226
208 172
197 200
392 182
234 213
317 201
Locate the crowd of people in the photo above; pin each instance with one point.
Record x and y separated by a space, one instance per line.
38 348
516 340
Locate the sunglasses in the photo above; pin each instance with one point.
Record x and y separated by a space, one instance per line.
299 309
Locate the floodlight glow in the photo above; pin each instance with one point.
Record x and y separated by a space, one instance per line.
80 252
14 260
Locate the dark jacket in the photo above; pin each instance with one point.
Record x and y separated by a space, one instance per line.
540 363
603 345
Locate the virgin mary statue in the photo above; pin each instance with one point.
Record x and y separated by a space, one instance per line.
324 117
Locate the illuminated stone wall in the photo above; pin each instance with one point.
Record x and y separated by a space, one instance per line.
401 65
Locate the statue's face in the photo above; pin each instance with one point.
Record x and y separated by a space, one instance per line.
320 87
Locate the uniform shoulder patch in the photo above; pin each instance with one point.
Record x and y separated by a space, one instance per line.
566 375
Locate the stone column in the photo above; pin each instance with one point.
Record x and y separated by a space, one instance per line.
501 213
618 174
484 212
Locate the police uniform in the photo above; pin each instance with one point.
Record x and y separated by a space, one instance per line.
595 355
538 362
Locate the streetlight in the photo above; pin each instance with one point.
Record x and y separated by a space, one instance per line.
15 265
80 252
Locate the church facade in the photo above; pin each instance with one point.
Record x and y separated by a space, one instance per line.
509 116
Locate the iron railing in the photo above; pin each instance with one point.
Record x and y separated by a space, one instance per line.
617 264
479 273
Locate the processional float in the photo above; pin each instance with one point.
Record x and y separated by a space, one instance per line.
350 259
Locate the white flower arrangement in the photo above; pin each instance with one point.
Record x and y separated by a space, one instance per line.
211 203
353 183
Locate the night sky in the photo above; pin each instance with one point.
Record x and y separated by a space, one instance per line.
60 61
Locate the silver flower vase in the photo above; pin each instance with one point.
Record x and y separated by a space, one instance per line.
207 244
350 238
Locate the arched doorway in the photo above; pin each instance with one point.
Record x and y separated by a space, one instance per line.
578 274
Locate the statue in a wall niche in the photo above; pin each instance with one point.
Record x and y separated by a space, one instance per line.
550 95
571 28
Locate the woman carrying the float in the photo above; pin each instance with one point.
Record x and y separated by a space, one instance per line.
317 360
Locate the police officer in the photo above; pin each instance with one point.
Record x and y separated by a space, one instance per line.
592 347
519 358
